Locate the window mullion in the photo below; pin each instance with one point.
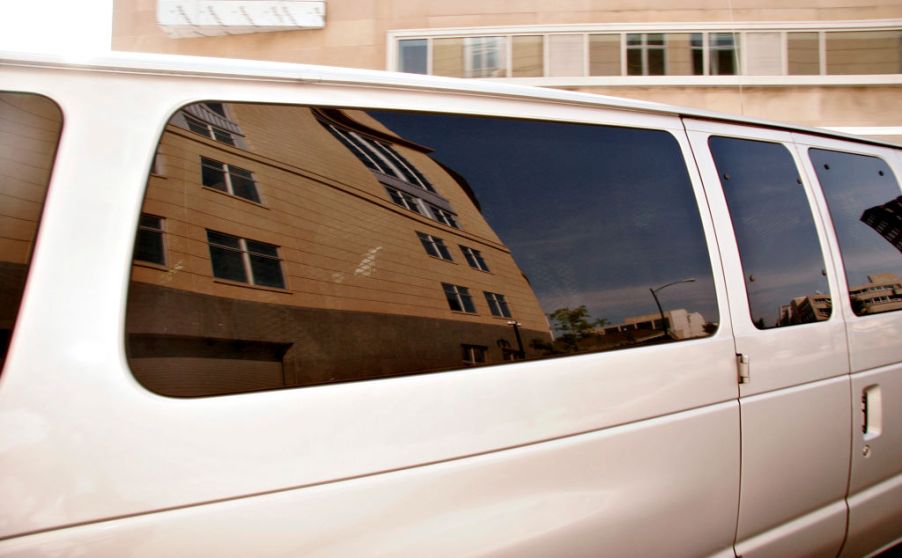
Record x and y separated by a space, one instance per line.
246 259
228 180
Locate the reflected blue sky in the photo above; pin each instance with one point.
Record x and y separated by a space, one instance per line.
593 215
778 244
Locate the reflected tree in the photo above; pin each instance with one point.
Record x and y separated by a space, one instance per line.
573 325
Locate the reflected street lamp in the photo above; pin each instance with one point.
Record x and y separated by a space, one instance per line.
516 325
654 294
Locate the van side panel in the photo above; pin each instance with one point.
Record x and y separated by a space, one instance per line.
625 491
795 406
641 437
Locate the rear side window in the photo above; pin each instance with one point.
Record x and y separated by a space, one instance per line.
29 132
393 243
865 205
782 262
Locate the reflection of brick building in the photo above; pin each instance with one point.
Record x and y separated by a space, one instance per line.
29 129
682 324
886 219
312 246
806 309
882 293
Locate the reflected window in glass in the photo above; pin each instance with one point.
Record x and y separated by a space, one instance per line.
474 258
229 179
459 298
435 246
149 243
497 305
245 261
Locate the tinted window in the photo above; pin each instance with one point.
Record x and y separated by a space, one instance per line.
781 255
574 239
866 207
29 131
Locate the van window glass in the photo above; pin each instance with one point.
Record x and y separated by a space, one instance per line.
572 239
865 205
29 132
782 262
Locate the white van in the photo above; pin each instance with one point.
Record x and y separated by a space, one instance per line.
259 309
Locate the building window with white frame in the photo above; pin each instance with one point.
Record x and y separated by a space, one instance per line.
863 49
443 216
474 258
405 200
149 246
434 246
645 54
245 261
230 179
497 305
723 54
459 299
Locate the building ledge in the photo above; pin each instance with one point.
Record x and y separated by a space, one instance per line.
210 18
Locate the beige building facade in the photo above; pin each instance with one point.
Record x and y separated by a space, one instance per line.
824 63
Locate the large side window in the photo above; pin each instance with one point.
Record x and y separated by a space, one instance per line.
782 262
573 239
865 205
29 131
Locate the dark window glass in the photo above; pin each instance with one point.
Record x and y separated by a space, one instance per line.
267 271
459 298
698 54
781 255
197 126
645 54
866 208
218 108
593 233
213 175
29 132
149 243
243 184
434 246
226 257
445 217
497 305
229 178
474 258
474 354
223 137
404 199
723 54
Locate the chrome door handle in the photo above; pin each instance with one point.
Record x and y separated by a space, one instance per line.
872 412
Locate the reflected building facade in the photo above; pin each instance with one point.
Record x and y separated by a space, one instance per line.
806 309
304 246
886 219
882 293
29 130
680 323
